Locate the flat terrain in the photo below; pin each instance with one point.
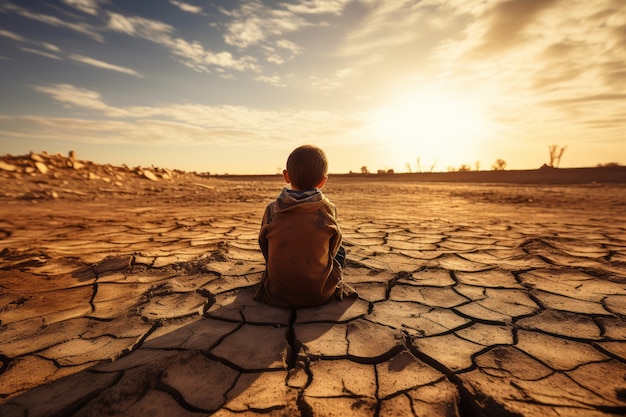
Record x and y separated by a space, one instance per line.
128 292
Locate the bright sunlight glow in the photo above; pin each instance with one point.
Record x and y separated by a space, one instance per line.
438 128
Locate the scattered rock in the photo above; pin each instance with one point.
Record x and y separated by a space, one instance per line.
149 175
41 167
7 167
60 167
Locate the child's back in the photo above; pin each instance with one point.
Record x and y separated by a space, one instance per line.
300 238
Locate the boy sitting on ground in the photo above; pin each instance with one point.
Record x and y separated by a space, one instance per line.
301 240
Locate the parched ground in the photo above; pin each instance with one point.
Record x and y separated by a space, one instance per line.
129 292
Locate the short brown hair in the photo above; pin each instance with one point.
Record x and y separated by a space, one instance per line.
307 166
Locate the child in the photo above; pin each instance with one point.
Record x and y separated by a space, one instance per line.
300 238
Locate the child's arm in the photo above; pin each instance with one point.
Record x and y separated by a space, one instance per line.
263 244
337 237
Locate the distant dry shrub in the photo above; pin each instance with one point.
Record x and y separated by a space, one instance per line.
499 165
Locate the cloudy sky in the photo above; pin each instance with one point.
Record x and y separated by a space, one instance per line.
233 86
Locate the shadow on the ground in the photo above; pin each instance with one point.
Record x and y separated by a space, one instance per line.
240 355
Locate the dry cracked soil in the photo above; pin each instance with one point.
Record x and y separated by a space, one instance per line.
128 291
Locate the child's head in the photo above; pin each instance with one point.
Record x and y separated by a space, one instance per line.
307 168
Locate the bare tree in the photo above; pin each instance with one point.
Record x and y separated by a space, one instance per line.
477 165
552 152
558 157
432 167
364 170
419 166
499 165
464 168
408 166
555 155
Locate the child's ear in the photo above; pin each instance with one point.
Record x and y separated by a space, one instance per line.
286 176
322 182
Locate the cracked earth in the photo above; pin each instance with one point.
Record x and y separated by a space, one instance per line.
474 300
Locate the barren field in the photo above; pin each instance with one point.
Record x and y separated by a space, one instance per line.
128 292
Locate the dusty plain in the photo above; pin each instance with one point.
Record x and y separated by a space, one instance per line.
128 291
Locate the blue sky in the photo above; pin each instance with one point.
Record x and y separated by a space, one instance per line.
233 86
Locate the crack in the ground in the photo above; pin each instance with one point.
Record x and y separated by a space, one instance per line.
82 402
139 342
304 408
93 296
608 353
378 399
293 344
180 399
468 406
471 403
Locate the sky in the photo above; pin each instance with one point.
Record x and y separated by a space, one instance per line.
233 86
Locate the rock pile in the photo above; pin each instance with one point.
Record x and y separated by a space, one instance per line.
60 166
42 176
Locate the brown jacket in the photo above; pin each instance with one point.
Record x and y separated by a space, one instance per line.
299 239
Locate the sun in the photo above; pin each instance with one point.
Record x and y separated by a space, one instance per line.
438 128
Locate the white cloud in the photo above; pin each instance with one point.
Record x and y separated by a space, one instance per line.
318 6
337 80
537 60
190 123
289 46
82 28
138 26
386 24
186 7
192 53
86 6
267 27
72 96
283 51
45 45
42 53
50 47
274 58
19 38
101 64
510 23
274 80
12 35
75 57
226 60
255 24
195 56
530 63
